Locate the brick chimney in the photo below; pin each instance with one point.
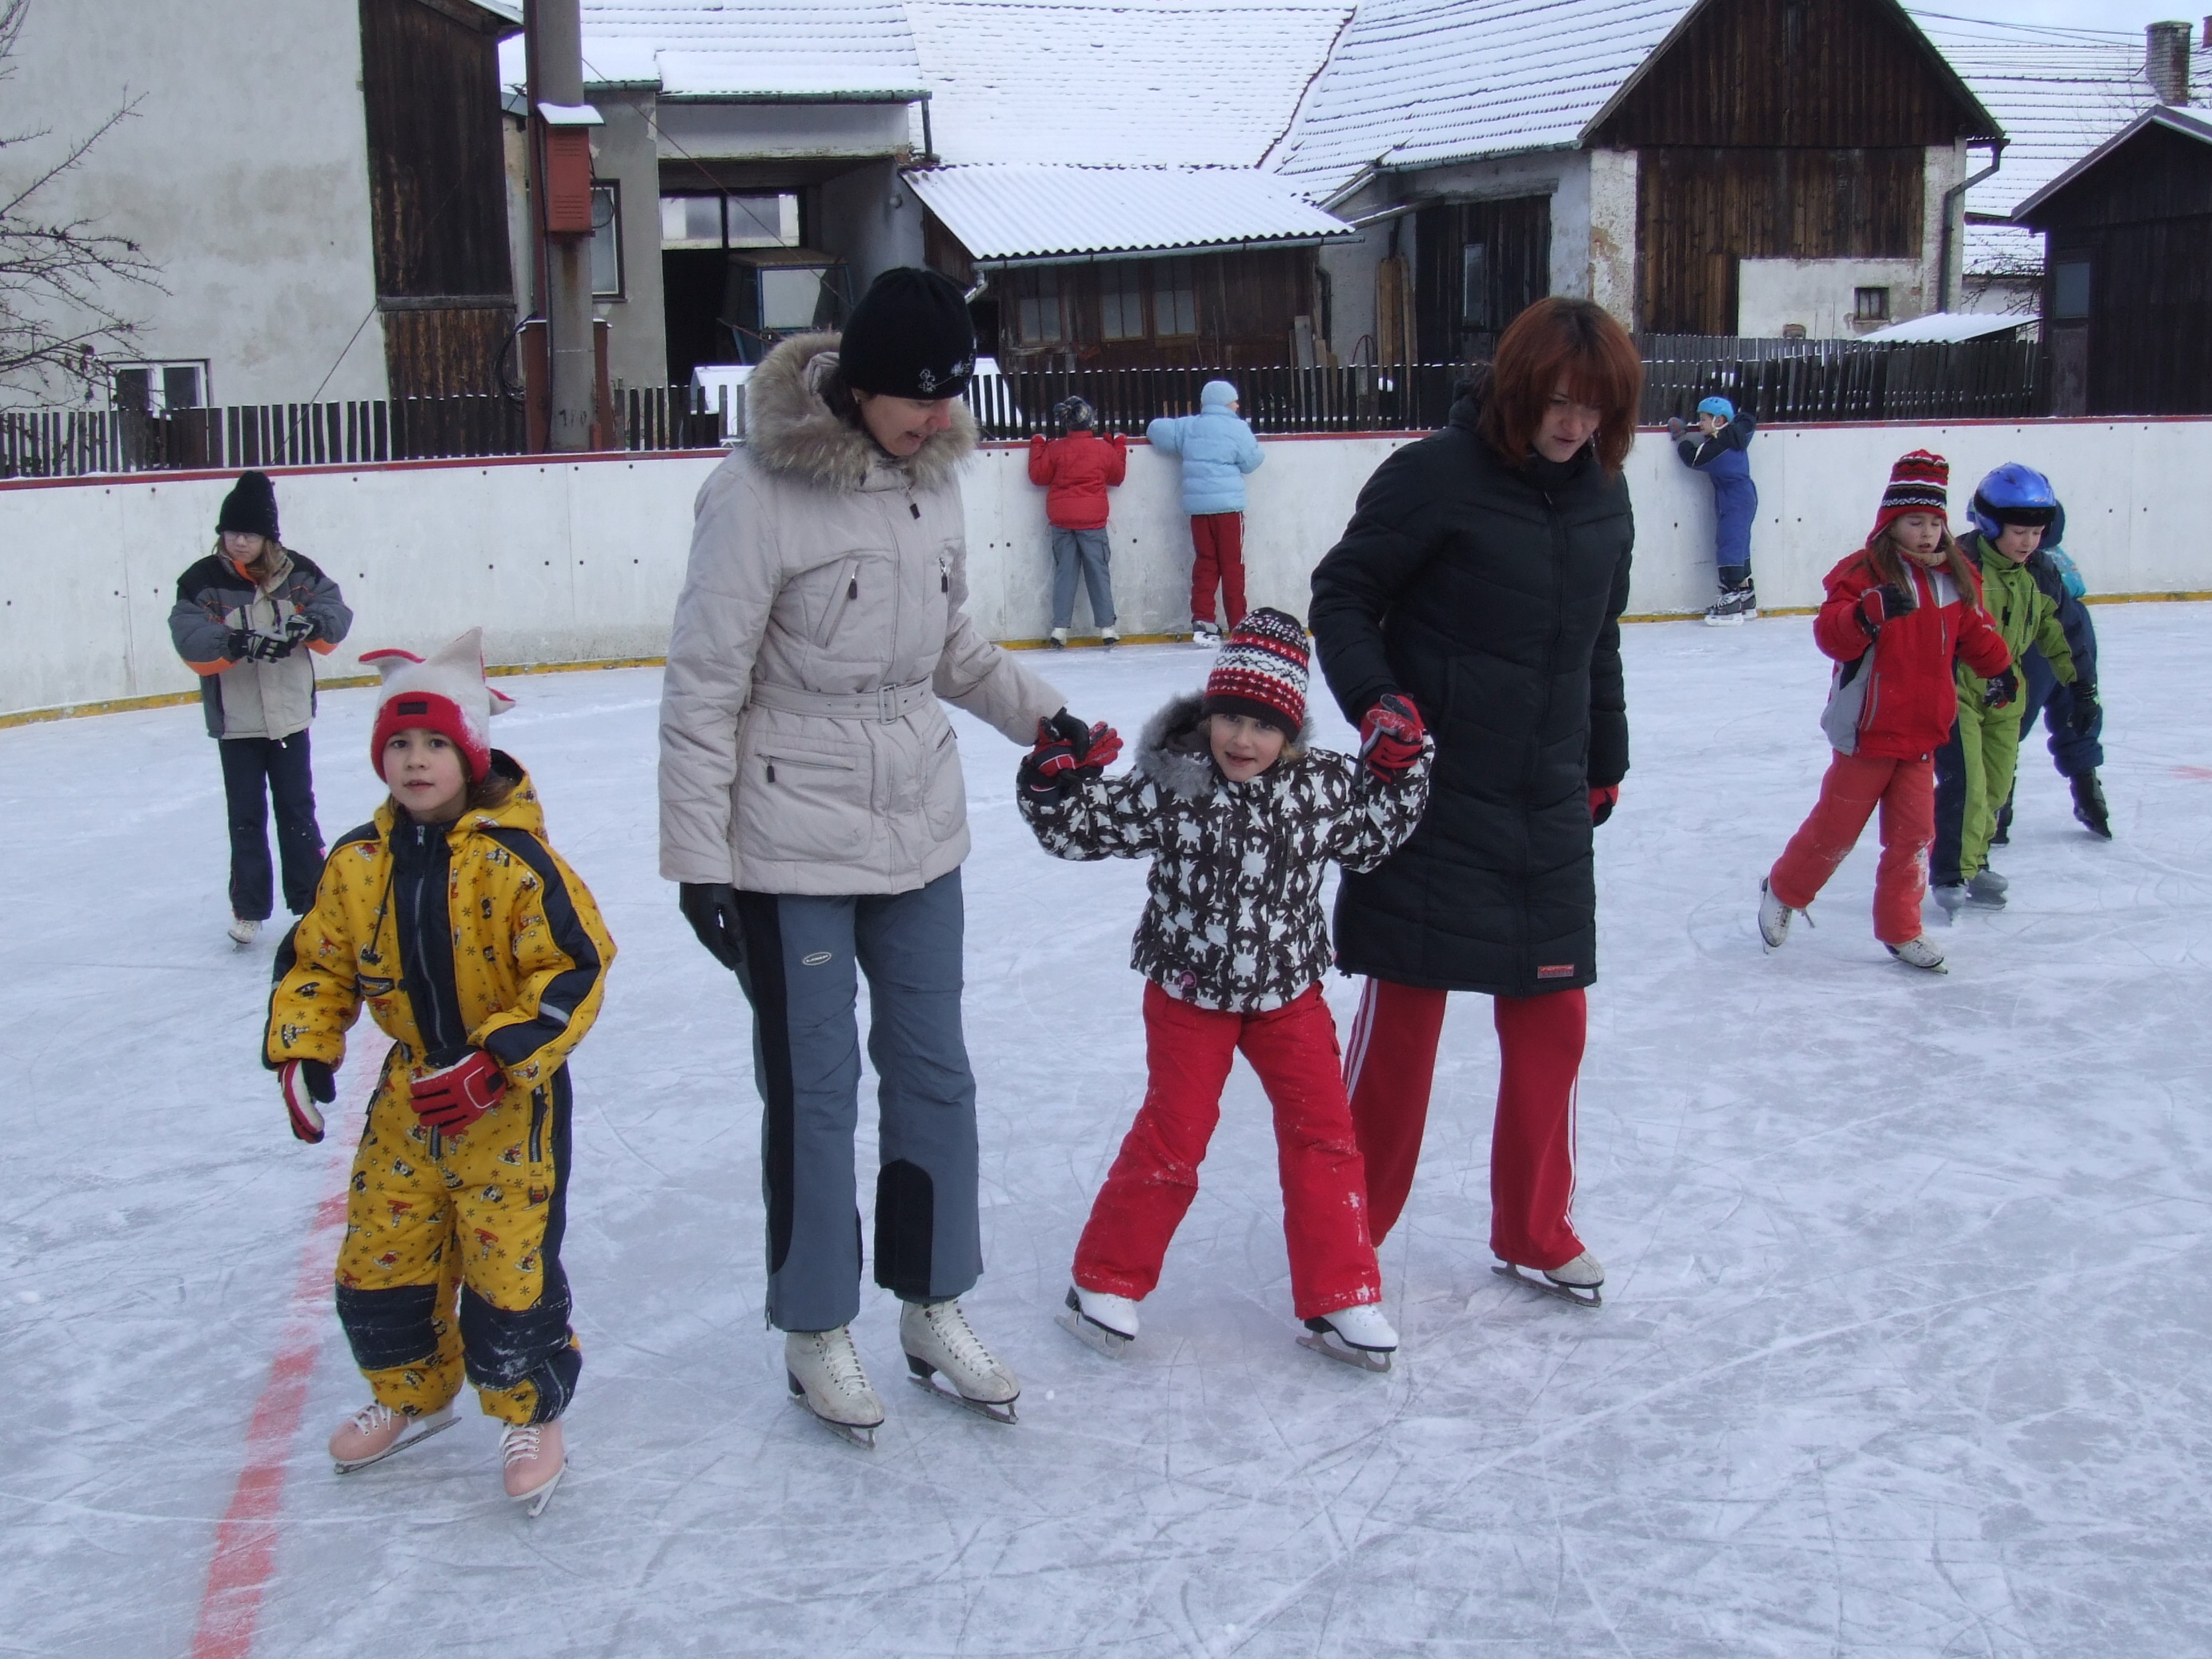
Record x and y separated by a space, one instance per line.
2166 60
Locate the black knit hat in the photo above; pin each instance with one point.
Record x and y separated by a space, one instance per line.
251 507
909 337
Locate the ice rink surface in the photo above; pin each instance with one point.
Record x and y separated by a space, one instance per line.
1906 1347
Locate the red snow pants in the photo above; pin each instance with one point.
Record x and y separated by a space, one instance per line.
1187 1054
1219 538
1532 1146
1855 785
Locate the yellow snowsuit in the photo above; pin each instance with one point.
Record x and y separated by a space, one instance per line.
477 937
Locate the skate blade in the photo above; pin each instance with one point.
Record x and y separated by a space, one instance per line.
1093 1335
923 1376
538 1499
436 1423
862 1435
1591 1298
1365 1359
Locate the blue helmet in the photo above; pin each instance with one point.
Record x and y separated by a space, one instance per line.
1720 406
2013 495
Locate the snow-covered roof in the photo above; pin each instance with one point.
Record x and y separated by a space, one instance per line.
1945 327
853 50
1011 210
2058 93
1414 82
2187 122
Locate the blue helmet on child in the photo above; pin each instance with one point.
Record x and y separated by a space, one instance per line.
2013 495
1719 406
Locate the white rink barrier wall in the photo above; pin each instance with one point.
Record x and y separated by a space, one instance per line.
579 561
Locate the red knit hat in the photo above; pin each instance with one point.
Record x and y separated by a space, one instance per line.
1261 672
1920 482
446 693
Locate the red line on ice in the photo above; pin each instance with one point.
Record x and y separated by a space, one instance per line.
245 1542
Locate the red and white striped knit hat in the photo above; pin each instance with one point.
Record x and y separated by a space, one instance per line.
445 692
1261 672
1919 482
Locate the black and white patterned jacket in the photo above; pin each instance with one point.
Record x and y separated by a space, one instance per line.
1234 920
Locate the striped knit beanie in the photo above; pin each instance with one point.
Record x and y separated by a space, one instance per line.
1262 672
1919 482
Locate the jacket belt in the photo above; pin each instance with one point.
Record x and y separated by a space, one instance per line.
887 704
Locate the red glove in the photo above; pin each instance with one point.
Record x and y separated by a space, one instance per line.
1880 605
1049 767
1390 738
1602 802
304 1083
1100 750
453 1097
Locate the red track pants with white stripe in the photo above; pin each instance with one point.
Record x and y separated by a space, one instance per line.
1532 1148
1187 1054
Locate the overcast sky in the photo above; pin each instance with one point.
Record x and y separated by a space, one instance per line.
2127 16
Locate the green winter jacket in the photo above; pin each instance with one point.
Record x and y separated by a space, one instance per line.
2024 613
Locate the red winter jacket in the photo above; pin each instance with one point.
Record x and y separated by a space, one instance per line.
1911 697
1076 471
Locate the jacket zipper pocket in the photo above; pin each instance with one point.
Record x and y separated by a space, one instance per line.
537 1126
848 589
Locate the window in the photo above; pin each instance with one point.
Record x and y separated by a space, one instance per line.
607 240
1871 305
2069 290
763 220
1475 285
699 221
1175 298
1121 301
160 388
692 222
1039 317
791 299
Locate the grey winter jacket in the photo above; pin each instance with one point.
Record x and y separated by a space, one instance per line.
1234 921
803 747
249 698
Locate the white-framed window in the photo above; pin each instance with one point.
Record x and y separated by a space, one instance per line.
1040 314
1121 301
606 240
1175 298
160 388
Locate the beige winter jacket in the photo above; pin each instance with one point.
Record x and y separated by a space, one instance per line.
803 749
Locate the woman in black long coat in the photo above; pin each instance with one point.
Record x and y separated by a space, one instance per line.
1481 580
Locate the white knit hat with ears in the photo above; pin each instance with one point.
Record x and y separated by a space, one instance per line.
445 692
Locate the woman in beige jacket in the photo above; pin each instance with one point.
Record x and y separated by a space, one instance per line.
811 808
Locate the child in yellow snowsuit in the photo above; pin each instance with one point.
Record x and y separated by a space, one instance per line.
482 957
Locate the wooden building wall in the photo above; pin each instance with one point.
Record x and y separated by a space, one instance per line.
1480 265
437 195
1780 129
1245 307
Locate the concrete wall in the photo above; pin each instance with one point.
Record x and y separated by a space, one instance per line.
579 561
627 152
1818 295
871 217
243 174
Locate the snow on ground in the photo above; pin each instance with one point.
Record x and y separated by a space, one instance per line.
1905 1347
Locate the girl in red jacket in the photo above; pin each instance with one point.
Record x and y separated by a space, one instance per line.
1077 471
1899 613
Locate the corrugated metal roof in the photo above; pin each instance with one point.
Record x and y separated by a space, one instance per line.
1030 210
1946 328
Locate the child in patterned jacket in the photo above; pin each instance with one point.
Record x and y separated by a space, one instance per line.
1239 817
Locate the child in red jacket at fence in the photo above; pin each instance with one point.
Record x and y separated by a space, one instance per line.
1899 614
1077 471
1241 821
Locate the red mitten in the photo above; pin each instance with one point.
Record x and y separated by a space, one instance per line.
304 1083
1103 749
1390 738
1602 801
453 1097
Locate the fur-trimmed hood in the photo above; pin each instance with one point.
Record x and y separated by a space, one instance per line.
790 429
1174 753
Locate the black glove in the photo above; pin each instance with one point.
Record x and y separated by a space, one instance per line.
1049 767
2086 709
1071 731
244 645
2002 691
711 908
1880 605
298 630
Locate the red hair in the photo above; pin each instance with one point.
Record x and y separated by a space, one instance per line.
1558 340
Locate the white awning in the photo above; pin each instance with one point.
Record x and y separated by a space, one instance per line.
1014 211
1946 328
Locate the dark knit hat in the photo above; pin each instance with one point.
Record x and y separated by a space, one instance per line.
1919 482
251 507
1261 672
1075 414
909 337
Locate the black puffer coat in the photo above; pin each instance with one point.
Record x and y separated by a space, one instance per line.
1492 597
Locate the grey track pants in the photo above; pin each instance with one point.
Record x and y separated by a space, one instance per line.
1092 552
801 954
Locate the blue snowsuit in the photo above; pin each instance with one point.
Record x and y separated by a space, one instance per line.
1721 458
1218 449
2074 754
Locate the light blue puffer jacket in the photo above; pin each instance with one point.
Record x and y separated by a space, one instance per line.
1218 449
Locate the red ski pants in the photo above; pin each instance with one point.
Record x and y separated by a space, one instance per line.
1532 1146
1187 1054
1219 540
1855 785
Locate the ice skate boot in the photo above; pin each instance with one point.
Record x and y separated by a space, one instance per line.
1986 890
938 1343
823 1370
1774 918
1950 898
1576 1281
1359 1336
1734 606
1205 634
1100 1320
1109 637
375 1432
243 931
2089 808
1057 639
535 1458
1919 953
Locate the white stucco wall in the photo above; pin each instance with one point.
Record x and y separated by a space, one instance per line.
580 561
1817 294
1612 247
243 173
